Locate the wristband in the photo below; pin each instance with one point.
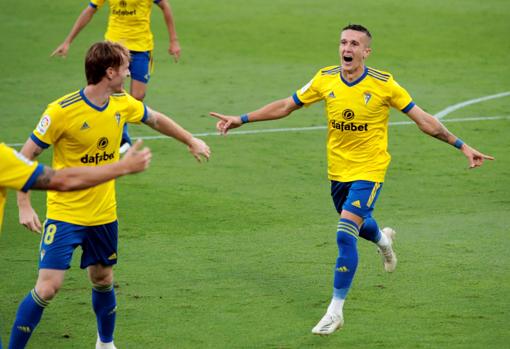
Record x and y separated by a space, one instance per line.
458 143
244 118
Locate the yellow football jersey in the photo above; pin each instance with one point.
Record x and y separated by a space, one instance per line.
84 134
16 172
358 114
129 23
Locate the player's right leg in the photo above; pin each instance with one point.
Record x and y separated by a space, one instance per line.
58 242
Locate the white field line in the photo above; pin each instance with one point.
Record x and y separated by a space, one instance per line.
438 115
461 105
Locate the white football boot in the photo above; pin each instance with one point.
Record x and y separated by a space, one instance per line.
328 324
101 345
389 257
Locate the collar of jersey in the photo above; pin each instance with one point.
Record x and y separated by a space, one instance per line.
92 105
357 81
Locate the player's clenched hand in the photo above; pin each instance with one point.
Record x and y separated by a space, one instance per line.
136 159
61 50
475 158
29 219
198 148
225 122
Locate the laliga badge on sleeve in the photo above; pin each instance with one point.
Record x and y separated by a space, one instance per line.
44 124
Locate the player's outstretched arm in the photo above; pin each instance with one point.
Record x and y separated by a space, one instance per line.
75 178
163 124
82 20
174 47
433 127
272 111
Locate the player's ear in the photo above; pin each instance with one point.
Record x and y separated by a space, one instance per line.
109 73
367 52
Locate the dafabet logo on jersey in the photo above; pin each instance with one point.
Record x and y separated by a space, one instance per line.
123 12
102 143
348 115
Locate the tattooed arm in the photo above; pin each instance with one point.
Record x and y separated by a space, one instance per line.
433 127
75 178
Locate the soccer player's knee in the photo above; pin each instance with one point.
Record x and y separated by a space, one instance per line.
101 281
47 290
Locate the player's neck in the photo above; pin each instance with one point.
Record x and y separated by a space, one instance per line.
353 75
97 94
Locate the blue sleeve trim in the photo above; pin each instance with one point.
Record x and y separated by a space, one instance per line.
38 141
409 107
31 181
92 5
157 1
145 113
297 100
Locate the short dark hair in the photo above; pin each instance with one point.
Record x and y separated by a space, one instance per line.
358 28
101 56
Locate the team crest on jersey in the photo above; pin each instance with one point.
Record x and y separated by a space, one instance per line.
122 3
367 97
117 117
44 124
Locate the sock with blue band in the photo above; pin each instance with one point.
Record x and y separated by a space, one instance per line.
105 307
28 316
347 261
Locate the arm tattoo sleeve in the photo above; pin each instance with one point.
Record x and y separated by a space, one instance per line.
44 178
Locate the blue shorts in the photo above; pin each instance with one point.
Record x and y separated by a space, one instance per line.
60 239
140 66
357 197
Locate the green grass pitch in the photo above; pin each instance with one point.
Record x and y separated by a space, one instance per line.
239 252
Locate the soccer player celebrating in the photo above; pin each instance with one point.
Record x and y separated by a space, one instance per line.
17 172
129 25
357 102
85 127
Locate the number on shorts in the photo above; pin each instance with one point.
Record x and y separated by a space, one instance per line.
49 234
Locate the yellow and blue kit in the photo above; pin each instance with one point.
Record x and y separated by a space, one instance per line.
16 172
358 113
84 134
129 23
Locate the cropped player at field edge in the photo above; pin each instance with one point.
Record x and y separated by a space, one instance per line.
129 25
357 100
17 172
85 127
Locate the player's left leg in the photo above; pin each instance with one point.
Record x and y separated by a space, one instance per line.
99 256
